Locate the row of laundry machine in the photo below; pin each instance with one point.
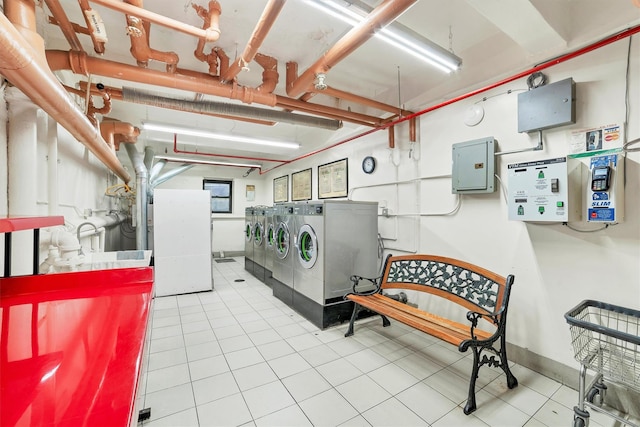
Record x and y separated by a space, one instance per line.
307 251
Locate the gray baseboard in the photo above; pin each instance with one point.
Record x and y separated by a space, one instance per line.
619 397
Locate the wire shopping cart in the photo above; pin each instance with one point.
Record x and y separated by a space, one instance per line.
606 340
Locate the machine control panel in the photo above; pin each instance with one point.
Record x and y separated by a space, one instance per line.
309 209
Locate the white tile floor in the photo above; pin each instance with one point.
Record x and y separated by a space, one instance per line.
237 356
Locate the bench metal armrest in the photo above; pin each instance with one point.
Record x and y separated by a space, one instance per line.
473 317
356 281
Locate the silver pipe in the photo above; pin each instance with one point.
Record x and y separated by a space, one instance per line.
148 157
538 147
142 178
149 98
167 176
156 169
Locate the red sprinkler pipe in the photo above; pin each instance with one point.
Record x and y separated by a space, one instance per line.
549 63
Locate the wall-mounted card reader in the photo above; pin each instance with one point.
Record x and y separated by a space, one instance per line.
605 189
600 177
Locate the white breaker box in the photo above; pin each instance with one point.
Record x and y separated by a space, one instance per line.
545 191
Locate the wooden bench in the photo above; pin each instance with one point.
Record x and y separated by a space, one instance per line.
481 291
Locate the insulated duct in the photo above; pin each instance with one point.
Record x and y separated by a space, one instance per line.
156 100
142 178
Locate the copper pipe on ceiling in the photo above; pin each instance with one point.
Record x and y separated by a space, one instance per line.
346 96
392 137
208 34
223 58
25 67
22 15
266 21
114 132
65 25
156 99
382 15
81 63
138 31
330 112
269 74
79 29
116 94
98 45
412 130
211 18
91 108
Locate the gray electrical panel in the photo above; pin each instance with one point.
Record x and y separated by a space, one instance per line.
473 166
547 106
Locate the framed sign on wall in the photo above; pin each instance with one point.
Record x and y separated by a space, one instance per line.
281 189
301 185
333 179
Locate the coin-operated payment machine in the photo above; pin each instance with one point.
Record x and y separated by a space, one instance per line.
605 189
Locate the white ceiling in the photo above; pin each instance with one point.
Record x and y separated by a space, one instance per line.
493 37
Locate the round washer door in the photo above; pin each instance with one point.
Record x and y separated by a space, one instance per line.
248 232
307 246
282 241
271 236
258 234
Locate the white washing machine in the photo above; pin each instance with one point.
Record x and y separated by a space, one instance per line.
248 239
270 238
333 240
282 277
259 242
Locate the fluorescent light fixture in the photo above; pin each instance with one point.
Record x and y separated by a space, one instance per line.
206 162
397 35
215 135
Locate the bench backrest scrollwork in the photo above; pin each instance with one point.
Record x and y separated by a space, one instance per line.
471 286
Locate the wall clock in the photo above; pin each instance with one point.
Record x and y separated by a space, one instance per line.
368 164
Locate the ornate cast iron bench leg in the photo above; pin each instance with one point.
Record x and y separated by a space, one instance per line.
512 381
471 400
356 309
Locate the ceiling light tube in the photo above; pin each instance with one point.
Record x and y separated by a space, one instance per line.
395 34
214 135
206 162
